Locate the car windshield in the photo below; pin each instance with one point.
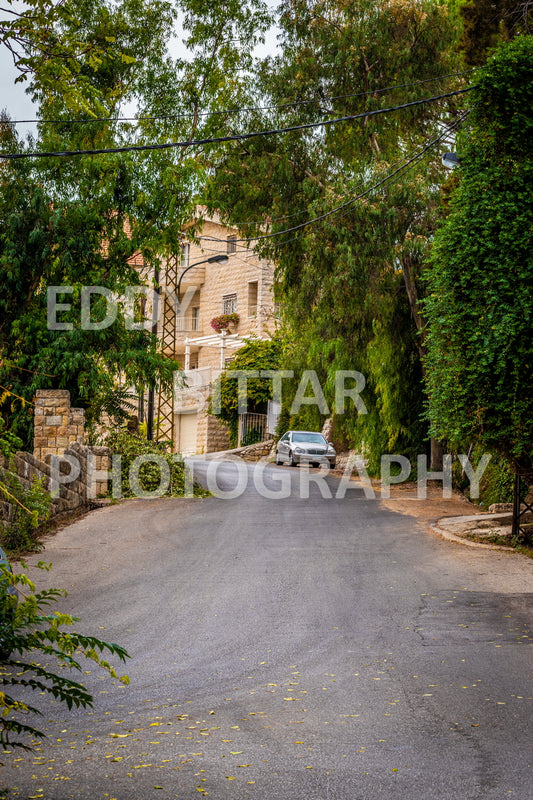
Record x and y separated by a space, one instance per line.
315 438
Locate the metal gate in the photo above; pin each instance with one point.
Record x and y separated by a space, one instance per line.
252 429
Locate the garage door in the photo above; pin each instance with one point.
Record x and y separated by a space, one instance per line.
187 424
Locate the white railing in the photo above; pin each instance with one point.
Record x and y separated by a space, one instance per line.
197 378
187 324
252 429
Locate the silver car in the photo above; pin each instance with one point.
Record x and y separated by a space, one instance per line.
309 447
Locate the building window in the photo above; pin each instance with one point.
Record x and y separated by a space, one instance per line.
229 303
185 250
195 314
232 244
252 298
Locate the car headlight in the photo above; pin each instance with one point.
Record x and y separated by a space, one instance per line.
331 451
299 450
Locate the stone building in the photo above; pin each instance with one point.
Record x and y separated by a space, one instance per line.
239 286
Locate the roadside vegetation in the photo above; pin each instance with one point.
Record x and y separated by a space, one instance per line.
29 633
387 264
146 469
256 355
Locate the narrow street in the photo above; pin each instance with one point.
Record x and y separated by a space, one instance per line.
288 649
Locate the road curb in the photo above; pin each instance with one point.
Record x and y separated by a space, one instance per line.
452 537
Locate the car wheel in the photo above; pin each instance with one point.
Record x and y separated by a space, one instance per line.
332 464
292 462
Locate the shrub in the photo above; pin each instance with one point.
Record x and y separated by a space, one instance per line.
130 447
30 508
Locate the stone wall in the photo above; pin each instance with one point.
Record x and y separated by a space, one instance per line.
59 433
57 425
216 434
68 496
252 452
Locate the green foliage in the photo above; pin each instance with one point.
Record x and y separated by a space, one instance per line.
485 23
497 483
79 221
260 354
348 286
29 633
9 443
29 507
480 276
131 447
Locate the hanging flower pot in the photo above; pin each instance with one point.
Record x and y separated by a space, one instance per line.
223 322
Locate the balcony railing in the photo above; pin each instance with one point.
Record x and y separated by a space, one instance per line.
200 378
187 324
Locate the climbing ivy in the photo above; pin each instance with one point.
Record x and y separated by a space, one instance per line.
480 275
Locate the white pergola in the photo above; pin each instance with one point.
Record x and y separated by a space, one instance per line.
222 340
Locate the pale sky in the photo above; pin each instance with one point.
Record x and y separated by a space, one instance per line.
19 106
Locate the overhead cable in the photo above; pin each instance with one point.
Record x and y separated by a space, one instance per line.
233 137
404 167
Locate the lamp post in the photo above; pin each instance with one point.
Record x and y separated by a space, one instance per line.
150 411
211 260
451 160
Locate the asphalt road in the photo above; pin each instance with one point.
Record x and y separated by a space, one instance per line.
292 648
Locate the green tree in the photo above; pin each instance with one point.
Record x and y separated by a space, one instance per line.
487 22
81 221
256 355
349 284
50 240
50 49
480 274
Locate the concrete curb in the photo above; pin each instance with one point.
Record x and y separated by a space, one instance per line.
440 530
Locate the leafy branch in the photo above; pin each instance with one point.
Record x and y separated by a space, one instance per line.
26 630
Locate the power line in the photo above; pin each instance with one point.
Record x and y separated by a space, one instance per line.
270 220
411 161
280 219
228 111
234 137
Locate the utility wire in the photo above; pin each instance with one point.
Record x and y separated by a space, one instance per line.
281 219
234 137
229 111
412 162
404 167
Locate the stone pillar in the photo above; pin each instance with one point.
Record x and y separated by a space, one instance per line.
217 435
327 429
57 425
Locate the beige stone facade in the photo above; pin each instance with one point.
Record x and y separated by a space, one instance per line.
56 424
242 284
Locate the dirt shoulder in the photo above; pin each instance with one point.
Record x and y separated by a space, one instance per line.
404 500
456 519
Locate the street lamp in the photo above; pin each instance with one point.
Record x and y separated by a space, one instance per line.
451 160
212 260
150 413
